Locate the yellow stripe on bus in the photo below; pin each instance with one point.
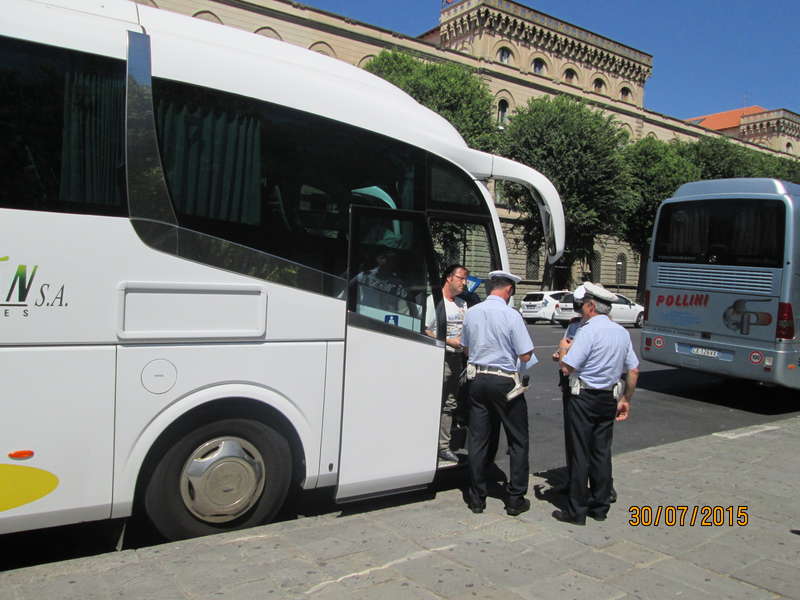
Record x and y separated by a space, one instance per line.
21 485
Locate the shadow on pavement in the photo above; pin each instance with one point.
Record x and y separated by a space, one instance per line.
730 392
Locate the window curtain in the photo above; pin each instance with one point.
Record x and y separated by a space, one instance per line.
92 156
213 161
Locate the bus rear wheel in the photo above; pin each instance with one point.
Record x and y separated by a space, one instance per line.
222 476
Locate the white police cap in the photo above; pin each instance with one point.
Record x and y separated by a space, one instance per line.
505 275
579 293
598 292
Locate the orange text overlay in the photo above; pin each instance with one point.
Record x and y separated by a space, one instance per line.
688 516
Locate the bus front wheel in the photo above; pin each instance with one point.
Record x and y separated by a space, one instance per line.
224 475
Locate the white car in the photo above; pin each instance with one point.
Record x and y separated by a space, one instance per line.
623 310
540 306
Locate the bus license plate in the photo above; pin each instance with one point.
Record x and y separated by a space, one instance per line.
705 352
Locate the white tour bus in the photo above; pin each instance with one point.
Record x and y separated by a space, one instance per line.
722 280
215 252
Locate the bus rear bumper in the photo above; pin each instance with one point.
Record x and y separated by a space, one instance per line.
756 362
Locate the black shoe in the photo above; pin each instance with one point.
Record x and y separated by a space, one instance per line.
565 517
477 508
596 517
612 497
448 455
517 508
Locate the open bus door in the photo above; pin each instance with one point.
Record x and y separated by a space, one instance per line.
393 370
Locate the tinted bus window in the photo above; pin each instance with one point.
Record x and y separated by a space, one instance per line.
453 190
737 232
277 179
62 137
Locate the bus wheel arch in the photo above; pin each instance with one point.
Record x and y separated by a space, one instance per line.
220 450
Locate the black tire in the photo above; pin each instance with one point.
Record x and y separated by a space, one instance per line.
264 450
564 324
639 320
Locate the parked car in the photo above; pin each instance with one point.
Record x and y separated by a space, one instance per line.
623 310
540 306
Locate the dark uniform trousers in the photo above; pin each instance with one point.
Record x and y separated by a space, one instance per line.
590 419
563 383
488 408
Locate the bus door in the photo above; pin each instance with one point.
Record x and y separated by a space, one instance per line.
393 370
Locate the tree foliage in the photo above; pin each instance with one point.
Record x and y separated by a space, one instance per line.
657 169
580 150
452 90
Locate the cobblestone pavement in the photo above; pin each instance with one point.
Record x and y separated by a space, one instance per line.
437 548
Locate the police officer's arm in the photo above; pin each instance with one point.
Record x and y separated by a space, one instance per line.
631 378
578 352
521 338
465 334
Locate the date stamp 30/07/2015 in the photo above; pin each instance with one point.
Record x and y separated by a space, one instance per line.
688 516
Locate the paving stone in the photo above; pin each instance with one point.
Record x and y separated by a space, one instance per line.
720 558
571 585
598 564
401 589
719 586
512 569
771 575
68 587
9 592
442 576
634 553
647 585
559 548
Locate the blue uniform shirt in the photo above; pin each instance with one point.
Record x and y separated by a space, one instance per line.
495 335
601 352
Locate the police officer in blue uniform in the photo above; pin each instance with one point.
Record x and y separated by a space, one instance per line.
495 339
600 351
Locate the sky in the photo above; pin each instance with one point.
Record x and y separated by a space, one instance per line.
708 55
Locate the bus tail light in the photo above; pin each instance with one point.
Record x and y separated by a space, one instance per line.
785 326
646 303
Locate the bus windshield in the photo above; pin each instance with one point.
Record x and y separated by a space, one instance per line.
736 232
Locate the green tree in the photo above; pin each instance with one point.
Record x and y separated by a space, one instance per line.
657 169
719 158
580 150
452 90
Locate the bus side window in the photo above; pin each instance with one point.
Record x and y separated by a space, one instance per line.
62 137
276 179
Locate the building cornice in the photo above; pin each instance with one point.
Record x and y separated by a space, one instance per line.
546 33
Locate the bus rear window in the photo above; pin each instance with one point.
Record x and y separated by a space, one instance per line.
735 232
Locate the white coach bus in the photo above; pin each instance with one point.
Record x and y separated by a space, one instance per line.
215 250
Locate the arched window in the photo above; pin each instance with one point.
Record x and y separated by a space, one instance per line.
539 66
595 268
532 266
570 76
502 112
207 15
504 55
625 94
598 85
789 147
622 269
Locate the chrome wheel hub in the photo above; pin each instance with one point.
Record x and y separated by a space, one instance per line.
222 479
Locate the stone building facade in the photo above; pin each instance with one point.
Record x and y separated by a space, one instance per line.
778 130
521 53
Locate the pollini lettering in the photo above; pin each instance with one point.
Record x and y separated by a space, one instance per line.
683 300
